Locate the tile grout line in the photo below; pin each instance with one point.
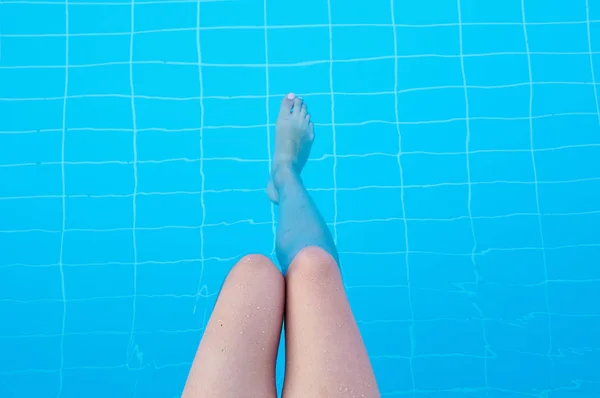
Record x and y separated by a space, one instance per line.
272 27
333 130
402 203
64 206
536 184
268 115
202 176
477 275
589 38
132 348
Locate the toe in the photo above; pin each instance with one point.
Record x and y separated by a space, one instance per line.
303 110
287 103
297 105
311 131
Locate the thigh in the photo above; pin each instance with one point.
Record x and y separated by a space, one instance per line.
237 354
325 354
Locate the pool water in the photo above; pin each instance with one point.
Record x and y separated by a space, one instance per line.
456 163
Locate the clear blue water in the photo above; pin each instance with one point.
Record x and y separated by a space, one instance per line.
456 163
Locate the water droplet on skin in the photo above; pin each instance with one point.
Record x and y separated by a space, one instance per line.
262 332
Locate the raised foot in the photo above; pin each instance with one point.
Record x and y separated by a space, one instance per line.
294 135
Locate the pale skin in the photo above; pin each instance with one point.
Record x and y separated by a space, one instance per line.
325 354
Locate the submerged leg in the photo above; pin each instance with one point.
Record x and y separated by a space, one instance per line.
300 223
325 354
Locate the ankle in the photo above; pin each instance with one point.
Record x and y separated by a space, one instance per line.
282 173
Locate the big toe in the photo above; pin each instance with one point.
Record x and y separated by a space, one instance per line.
287 103
298 103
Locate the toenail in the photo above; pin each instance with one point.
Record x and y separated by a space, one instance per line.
291 96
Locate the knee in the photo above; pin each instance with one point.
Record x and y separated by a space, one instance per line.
256 270
314 263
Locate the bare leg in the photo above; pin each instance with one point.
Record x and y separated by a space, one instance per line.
325 353
300 223
236 357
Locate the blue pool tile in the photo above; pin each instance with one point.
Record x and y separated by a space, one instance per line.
233 81
475 11
160 177
549 132
493 200
99 212
34 51
435 105
155 211
311 12
425 12
103 49
311 44
358 140
160 80
427 41
31 148
441 202
372 76
434 169
98 179
247 13
485 103
96 18
232 206
84 247
523 361
30 283
90 281
498 70
350 42
164 279
429 72
90 145
515 231
160 145
30 348
493 38
163 16
571 262
31 318
35 180
442 236
342 12
96 349
516 166
471 374
500 134
17 248
558 38
510 267
555 11
89 112
450 136
165 46
43 83
31 18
